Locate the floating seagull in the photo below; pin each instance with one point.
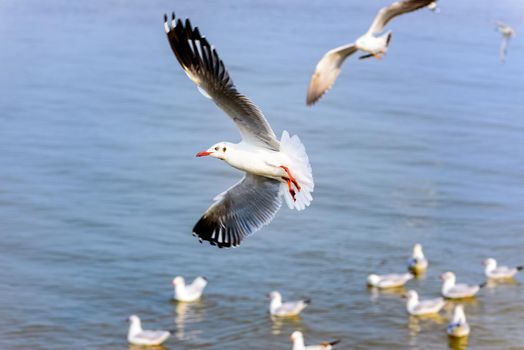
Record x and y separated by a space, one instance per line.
137 336
507 33
289 308
434 7
418 307
189 292
298 343
372 43
492 271
273 169
389 281
417 263
458 327
451 290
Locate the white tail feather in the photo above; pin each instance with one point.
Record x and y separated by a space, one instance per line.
300 169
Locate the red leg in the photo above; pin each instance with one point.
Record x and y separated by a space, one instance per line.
291 177
291 190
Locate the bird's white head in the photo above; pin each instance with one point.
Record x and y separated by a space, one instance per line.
134 319
373 279
219 150
490 263
297 336
178 281
448 277
417 251
411 295
274 295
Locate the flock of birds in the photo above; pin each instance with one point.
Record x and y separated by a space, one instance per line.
417 266
279 171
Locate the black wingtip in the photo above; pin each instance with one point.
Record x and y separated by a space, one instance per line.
165 17
173 15
307 301
483 284
520 268
204 230
334 342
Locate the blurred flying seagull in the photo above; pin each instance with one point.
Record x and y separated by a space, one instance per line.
190 292
372 43
507 33
298 343
273 169
287 309
137 336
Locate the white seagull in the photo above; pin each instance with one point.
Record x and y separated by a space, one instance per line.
417 307
458 327
287 309
492 271
188 293
451 290
273 169
507 33
298 343
137 336
389 281
418 262
434 7
373 44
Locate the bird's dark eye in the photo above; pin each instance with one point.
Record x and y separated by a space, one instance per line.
216 148
223 149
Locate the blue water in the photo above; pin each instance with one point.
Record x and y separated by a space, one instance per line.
99 186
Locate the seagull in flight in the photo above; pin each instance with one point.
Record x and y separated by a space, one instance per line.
507 33
373 43
274 170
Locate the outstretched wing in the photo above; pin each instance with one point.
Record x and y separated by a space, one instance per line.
240 211
327 71
204 67
386 14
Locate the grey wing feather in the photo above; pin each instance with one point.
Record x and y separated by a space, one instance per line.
240 211
202 64
386 14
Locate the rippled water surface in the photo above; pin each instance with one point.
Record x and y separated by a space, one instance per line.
99 186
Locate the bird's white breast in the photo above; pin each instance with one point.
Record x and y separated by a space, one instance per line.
258 161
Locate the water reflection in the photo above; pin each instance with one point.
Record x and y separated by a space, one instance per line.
279 323
458 343
375 292
186 314
417 324
149 347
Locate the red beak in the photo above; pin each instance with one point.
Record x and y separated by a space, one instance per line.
203 154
